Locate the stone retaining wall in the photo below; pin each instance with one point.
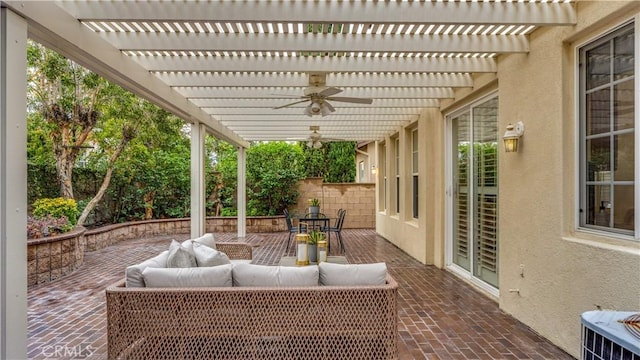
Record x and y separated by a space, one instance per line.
55 256
102 237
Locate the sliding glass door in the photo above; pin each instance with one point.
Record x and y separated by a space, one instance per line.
474 190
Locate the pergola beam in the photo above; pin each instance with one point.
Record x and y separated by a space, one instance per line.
297 111
268 103
317 63
310 42
333 13
261 92
302 79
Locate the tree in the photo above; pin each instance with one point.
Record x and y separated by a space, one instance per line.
73 106
66 96
334 161
273 171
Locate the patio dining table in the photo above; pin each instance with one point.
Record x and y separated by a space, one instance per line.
315 223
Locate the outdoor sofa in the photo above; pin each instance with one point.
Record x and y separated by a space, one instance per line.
289 317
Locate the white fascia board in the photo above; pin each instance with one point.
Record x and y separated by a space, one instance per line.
262 92
316 12
57 30
269 103
302 80
326 64
310 42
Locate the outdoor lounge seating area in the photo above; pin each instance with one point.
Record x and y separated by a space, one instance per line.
439 316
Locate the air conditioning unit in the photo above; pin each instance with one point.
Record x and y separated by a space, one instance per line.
606 336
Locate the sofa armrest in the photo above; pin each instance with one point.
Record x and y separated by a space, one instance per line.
236 250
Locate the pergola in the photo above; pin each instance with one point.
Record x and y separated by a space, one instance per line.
224 66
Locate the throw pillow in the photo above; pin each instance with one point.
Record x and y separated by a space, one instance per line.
206 239
219 276
180 257
133 273
352 274
206 256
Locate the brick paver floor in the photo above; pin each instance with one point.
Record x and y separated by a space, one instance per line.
441 317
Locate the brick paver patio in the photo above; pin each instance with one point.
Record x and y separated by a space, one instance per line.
441 317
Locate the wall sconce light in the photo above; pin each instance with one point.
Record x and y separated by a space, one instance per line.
374 170
512 135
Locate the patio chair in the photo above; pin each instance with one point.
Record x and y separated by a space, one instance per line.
292 229
337 228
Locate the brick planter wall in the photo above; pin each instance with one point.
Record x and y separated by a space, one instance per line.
55 256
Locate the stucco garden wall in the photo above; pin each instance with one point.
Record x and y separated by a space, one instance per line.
357 198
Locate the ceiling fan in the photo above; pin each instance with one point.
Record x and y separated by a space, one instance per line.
318 95
314 139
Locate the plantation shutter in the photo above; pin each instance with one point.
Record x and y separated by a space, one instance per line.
486 191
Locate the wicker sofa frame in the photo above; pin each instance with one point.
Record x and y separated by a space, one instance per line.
322 322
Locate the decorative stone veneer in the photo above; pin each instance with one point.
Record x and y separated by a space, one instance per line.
55 256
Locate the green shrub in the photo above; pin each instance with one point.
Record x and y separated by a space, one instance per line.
56 208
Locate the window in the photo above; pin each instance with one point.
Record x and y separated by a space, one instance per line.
383 174
396 149
361 172
414 170
607 132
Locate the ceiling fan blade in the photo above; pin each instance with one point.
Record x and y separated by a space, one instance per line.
351 100
329 91
290 104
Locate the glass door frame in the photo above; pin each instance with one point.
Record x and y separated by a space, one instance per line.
449 192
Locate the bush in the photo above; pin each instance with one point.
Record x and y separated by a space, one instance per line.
56 208
47 226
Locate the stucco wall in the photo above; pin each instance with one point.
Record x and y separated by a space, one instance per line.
565 272
558 271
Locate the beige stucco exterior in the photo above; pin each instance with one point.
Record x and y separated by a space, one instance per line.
555 270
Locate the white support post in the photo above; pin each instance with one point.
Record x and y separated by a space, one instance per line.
198 210
242 192
13 186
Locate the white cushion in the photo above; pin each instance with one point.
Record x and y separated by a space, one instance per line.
206 256
352 274
235 262
254 275
216 276
133 273
180 257
298 276
206 239
261 275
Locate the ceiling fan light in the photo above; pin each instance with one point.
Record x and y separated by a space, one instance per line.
325 110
